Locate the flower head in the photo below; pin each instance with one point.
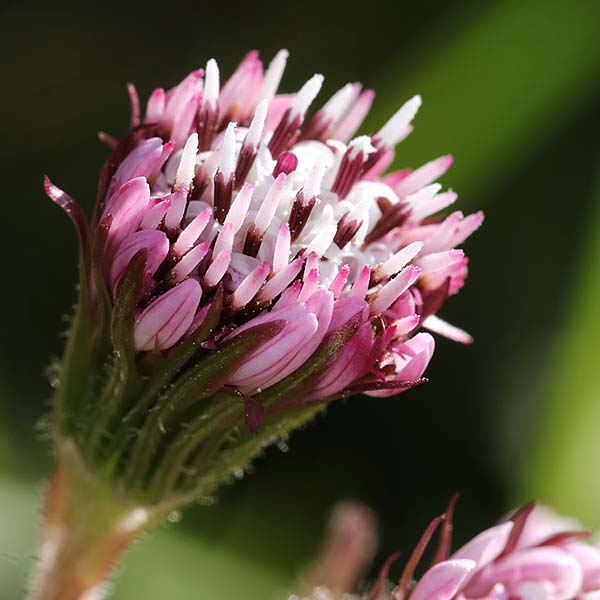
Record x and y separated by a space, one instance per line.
245 253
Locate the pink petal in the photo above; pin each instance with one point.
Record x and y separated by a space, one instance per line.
164 322
410 359
423 176
487 546
545 565
588 558
143 161
127 206
306 325
443 581
154 241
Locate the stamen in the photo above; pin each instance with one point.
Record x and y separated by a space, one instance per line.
352 165
346 230
300 214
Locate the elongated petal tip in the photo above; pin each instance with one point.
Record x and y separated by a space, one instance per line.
306 95
187 165
443 580
74 212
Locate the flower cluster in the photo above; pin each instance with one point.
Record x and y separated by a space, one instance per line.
243 254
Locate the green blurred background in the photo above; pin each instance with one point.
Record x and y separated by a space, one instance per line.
512 89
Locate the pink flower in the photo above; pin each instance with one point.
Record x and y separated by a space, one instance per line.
231 188
305 326
532 556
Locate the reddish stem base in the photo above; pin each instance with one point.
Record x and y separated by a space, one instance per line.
86 528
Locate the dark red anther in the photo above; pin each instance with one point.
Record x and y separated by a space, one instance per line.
299 214
286 163
394 217
317 128
350 171
208 118
373 158
252 242
222 196
198 186
285 133
346 230
244 164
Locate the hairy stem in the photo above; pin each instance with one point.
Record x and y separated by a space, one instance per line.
86 528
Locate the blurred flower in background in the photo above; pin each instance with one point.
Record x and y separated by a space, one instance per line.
533 554
511 89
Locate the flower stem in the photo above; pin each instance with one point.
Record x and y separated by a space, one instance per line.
86 528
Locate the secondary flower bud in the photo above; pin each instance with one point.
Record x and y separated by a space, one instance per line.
532 555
